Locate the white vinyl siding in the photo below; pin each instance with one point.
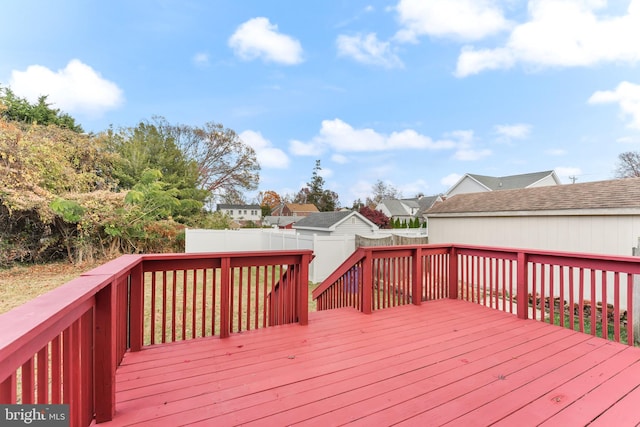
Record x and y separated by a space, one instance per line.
600 234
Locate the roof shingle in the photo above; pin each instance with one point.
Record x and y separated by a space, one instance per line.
620 193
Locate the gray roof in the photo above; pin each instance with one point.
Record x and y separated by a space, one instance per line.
323 219
421 204
328 220
510 182
279 220
395 207
613 194
425 203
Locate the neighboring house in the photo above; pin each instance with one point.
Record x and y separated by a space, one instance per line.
406 209
295 209
471 183
285 222
335 224
426 202
241 212
595 217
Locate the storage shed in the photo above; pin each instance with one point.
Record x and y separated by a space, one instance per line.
595 217
335 224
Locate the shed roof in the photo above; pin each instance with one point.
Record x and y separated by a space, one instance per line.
613 194
328 220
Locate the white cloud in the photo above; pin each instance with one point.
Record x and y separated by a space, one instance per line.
325 172
627 95
450 180
473 61
627 140
458 19
341 137
515 131
201 59
367 49
268 156
413 188
300 148
77 88
340 159
361 189
562 33
468 154
258 38
556 152
465 146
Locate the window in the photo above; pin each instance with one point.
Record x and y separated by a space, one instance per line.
231 212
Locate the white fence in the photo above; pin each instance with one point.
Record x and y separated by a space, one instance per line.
329 251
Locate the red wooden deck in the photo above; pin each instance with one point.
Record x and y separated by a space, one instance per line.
443 362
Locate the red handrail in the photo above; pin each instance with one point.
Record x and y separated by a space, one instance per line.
65 346
576 290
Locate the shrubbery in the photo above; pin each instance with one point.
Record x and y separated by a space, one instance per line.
65 194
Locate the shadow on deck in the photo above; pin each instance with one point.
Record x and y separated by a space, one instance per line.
443 362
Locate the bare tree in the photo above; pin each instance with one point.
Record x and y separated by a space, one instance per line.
382 191
628 165
226 165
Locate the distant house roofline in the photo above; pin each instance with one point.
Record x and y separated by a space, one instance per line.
508 182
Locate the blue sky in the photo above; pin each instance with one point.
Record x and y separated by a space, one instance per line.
411 92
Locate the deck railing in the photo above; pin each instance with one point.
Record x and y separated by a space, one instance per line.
586 292
63 347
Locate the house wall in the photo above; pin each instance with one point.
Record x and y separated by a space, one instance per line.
382 208
596 234
467 185
239 214
353 226
603 234
547 180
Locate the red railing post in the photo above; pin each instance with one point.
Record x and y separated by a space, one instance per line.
523 299
453 273
367 282
105 353
416 276
136 308
8 390
303 284
225 285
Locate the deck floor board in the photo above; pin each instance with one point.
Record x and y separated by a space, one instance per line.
443 362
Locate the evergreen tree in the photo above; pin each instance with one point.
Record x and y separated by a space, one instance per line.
314 193
18 109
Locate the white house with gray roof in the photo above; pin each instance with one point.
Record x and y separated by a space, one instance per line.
472 183
406 209
335 224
